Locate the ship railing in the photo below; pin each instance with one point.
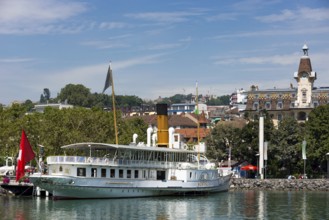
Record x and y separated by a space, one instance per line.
147 163
109 161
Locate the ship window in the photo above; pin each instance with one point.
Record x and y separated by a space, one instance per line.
112 173
93 172
103 172
81 171
136 174
161 175
60 169
190 175
128 173
120 173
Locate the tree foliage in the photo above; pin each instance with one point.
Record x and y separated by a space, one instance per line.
284 144
55 128
77 95
284 153
225 137
317 137
221 100
88 122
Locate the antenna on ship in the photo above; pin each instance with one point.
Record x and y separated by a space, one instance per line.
109 82
197 114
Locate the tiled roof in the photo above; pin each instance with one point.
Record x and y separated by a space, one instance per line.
305 65
192 133
173 120
202 117
236 122
180 120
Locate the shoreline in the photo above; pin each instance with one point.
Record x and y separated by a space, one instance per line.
267 185
280 184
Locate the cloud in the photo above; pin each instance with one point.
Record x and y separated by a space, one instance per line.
165 17
277 32
164 46
253 5
276 59
105 44
38 16
15 60
118 41
112 25
302 21
223 17
308 14
87 73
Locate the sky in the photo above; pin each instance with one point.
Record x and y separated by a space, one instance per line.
158 48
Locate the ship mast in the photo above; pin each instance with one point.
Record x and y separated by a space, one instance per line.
114 111
198 124
109 82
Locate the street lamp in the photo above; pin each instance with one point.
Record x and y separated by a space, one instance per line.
327 165
227 143
265 157
304 156
257 155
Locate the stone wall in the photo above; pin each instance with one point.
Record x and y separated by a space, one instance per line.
280 184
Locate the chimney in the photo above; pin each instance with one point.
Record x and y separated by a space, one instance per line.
162 119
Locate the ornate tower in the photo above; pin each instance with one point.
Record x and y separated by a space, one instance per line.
305 78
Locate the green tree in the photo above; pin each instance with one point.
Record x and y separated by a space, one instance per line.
77 95
284 153
223 138
249 147
317 130
128 101
133 126
28 105
178 98
46 93
221 100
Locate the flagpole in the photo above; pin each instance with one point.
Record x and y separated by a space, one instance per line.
114 111
198 124
108 83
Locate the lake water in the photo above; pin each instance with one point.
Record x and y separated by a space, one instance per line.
228 205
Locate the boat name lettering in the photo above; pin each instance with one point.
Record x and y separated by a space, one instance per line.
203 184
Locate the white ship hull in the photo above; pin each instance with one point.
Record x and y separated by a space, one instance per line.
91 188
119 171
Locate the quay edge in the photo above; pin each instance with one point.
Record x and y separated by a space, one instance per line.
280 184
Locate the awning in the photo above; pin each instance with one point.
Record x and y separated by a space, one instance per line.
249 167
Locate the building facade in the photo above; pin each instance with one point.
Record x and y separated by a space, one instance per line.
296 102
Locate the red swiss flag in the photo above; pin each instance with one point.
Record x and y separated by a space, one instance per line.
26 154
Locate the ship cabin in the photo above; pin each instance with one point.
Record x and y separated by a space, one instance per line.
101 160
